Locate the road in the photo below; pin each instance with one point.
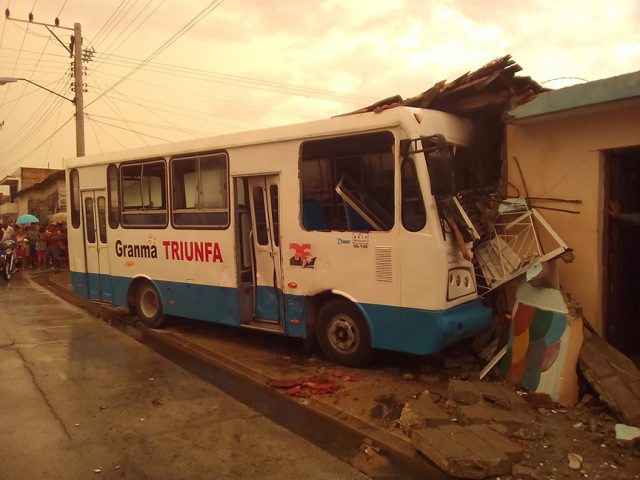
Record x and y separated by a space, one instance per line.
80 399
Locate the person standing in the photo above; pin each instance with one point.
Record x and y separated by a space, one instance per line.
32 235
41 248
53 250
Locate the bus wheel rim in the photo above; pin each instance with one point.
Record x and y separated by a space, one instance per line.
149 303
343 334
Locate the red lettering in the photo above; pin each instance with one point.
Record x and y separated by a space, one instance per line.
192 251
188 251
165 244
217 254
199 253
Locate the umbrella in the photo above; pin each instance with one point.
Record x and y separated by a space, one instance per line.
27 219
58 217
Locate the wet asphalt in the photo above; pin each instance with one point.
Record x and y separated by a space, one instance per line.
80 399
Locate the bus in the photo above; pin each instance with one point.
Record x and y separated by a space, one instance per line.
334 231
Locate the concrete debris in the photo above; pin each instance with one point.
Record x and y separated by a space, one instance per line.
466 393
613 376
474 452
575 461
372 462
539 400
422 412
627 433
519 424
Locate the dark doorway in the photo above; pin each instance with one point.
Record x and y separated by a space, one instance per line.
621 302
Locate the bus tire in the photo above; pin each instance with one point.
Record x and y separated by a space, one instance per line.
149 305
343 334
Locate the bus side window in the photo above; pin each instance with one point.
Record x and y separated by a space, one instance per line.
114 196
347 181
259 209
90 220
144 194
200 191
74 187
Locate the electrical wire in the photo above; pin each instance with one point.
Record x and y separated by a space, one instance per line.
109 135
19 160
192 23
236 80
200 97
113 21
126 129
134 30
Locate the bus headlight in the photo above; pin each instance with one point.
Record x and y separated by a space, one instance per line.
461 283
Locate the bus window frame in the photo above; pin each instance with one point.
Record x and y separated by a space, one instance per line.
166 210
75 201
336 203
173 210
110 207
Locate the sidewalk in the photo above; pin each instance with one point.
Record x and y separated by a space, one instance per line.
372 400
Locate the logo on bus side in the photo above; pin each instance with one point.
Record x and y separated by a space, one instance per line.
173 250
302 256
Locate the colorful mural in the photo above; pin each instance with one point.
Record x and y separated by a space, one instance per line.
541 354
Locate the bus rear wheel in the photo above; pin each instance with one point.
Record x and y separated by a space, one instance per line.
149 305
343 334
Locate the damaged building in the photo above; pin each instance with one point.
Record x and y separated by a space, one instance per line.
556 175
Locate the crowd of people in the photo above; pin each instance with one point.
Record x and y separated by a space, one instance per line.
38 246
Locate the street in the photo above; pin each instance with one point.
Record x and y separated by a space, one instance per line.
79 399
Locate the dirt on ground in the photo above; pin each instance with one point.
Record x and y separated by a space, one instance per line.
574 443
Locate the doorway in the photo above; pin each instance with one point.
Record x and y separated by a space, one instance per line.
621 288
95 245
259 257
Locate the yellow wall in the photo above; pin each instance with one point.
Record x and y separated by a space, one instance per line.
564 157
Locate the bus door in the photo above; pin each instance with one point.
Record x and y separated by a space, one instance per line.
261 233
95 246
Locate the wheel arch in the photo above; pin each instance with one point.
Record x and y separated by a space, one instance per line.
133 288
321 299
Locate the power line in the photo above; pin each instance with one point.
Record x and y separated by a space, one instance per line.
127 129
192 23
135 29
112 21
19 161
236 80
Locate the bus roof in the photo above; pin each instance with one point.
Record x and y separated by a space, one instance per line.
454 128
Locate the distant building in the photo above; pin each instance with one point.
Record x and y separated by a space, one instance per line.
39 191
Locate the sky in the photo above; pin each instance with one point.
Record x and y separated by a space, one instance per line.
171 70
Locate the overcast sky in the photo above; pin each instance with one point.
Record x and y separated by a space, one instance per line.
248 64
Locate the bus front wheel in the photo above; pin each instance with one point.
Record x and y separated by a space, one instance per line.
343 334
149 305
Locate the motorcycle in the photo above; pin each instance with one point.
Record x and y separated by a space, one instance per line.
8 260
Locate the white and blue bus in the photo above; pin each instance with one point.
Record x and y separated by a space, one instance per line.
331 229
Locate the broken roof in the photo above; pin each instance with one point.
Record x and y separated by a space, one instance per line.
493 86
598 92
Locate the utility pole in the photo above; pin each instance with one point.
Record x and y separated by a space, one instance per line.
79 88
75 50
